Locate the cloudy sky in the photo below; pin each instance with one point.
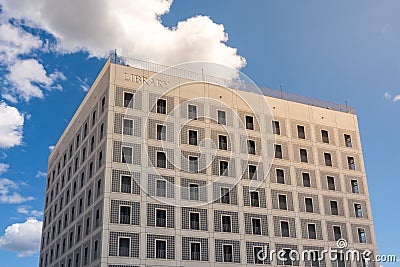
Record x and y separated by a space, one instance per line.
51 51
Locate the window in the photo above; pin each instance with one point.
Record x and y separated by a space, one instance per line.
192 112
315 258
347 140
128 127
337 233
86 256
225 198
276 129
328 159
161 249
280 176
78 140
124 215
94 118
101 131
162 106
282 202
354 187
161 160
195 251
361 236
278 151
96 247
89 197
251 147
258 254
100 158
92 142
221 117
301 132
194 220
350 161
309 204
303 155
331 183
223 142
161 188
193 191
306 179
325 136
128 100
254 200
249 123
103 103
311 231
161 132
126 184
334 207
87 226
226 223
256 226
284 229
193 164
127 155
161 218
223 168
192 137
85 129
252 172
227 250
358 210
286 256
83 154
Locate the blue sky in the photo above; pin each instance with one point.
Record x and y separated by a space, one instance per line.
336 51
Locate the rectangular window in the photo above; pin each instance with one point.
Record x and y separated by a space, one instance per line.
312 234
161 218
124 215
192 112
195 251
251 147
249 123
337 233
361 236
123 247
306 179
162 106
278 151
161 249
282 202
128 100
334 207
309 204
328 159
303 155
252 172
193 191
227 250
128 127
221 117
258 254
161 132
254 199
350 161
325 136
284 229
256 226
127 155
194 220
161 188
223 168
126 184
226 223
280 176
161 160
103 103
301 132
286 256
85 130
358 210
192 138
276 129
94 118
225 198
223 142
331 183
354 187
193 164
347 140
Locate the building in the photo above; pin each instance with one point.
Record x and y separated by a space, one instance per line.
194 176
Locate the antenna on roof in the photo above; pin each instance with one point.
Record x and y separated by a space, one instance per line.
280 86
115 56
347 110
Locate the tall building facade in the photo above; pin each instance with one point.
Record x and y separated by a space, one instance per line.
166 170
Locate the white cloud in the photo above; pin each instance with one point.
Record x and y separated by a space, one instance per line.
388 96
51 148
27 210
40 174
11 123
396 98
135 28
9 194
3 168
22 238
